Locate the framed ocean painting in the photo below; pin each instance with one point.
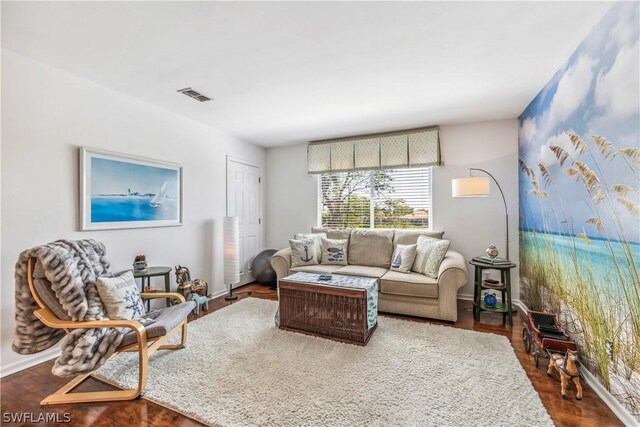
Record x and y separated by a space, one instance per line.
123 191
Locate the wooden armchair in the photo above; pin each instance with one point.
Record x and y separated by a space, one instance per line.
145 345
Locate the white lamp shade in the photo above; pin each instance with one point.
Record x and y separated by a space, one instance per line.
231 238
471 186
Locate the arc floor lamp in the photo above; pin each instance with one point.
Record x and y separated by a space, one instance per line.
480 186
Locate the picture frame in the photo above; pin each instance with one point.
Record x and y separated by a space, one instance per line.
121 191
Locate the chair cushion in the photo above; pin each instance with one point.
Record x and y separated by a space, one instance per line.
168 319
410 237
362 270
371 247
48 296
318 269
409 284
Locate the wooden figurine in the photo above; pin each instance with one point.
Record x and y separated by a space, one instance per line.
193 290
567 367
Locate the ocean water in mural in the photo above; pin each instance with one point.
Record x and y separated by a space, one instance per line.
579 150
124 208
125 191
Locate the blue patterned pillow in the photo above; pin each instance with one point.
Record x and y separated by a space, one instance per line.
121 297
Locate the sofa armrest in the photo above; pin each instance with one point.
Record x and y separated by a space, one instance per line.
453 271
281 262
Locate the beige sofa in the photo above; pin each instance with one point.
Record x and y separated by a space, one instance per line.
369 254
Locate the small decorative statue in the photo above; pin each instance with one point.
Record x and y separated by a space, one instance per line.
140 263
567 367
490 299
492 251
192 290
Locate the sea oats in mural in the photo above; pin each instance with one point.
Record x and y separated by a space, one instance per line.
580 233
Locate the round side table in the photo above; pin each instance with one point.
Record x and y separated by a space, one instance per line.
504 287
149 272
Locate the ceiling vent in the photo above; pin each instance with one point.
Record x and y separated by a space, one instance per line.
195 95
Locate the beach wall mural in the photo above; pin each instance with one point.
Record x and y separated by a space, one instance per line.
579 191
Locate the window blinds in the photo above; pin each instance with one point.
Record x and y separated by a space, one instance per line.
411 148
376 199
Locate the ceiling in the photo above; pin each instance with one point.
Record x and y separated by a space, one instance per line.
282 73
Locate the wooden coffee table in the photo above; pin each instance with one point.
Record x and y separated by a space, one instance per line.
343 309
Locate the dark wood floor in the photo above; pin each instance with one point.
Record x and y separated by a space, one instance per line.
22 392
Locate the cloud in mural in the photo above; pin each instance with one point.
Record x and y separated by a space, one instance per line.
617 90
572 90
527 130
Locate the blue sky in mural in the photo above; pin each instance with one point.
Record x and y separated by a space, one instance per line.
597 91
116 177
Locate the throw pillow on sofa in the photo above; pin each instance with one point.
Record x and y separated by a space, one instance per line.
403 258
121 297
429 255
316 240
303 252
334 251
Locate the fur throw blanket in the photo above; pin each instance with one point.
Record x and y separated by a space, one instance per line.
71 269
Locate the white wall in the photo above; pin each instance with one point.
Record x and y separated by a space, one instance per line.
292 195
46 115
470 224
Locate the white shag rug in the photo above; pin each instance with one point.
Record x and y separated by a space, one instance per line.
240 370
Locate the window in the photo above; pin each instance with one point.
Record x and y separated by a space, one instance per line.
376 199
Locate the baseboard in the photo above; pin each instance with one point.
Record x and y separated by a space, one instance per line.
218 294
36 359
616 407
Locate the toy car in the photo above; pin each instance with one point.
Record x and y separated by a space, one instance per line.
542 333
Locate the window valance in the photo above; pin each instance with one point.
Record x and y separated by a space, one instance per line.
402 149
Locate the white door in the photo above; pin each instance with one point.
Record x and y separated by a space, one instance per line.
243 201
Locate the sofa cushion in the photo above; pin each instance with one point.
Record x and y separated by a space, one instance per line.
334 251
316 240
168 319
303 252
409 284
371 247
403 258
318 269
362 270
429 255
333 233
410 237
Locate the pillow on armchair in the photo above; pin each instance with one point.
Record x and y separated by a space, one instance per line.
121 297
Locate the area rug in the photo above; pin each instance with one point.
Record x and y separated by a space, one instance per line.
240 370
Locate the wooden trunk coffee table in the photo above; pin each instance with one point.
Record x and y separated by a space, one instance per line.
343 309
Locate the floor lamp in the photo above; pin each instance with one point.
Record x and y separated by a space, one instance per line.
231 237
479 186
